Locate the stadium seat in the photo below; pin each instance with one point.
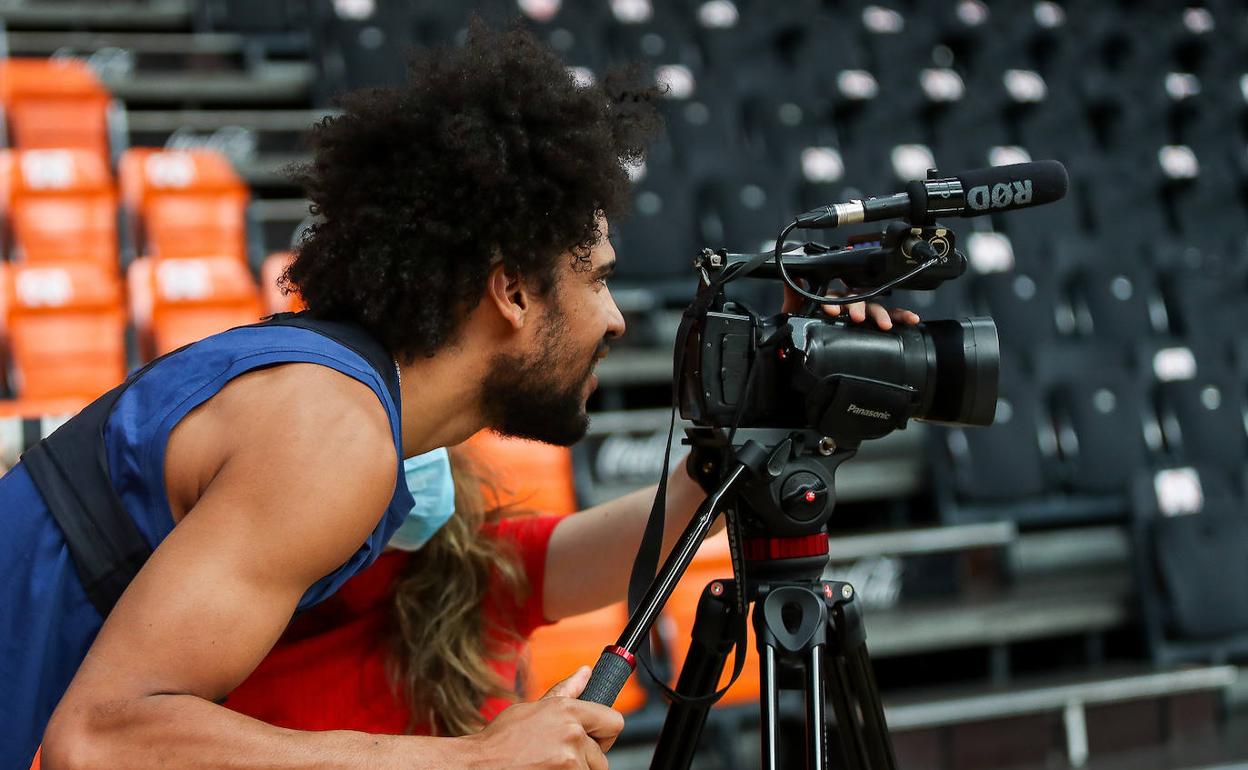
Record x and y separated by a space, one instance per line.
1005 461
524 474
195 297
656 240
651 42
712 562
61 206
66 326
270 271
1191 543
361 45
704 126
556 651
1203 420
1026 305
782 131
1205 304
1101 417
54 103
1117 302
743 212
185 203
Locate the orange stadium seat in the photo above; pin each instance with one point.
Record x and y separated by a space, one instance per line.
526 474
66 330
54 103
61 206
713 562
270 270
184 203
194 297
556 651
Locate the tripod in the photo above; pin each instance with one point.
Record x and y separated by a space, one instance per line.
809 632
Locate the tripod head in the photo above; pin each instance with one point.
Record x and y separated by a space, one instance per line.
783 504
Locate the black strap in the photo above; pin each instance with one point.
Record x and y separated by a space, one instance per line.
648 551
70 470
71 473
349 336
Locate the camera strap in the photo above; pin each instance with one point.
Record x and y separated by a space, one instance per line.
648 552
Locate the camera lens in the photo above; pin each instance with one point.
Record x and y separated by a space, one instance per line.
964 359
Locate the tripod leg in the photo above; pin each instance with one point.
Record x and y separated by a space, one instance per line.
769 706
853 756
816 731
860 715
877 744
710 642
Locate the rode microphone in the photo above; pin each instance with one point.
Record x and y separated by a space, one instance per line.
968 194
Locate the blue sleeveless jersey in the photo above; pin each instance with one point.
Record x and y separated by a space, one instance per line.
48 622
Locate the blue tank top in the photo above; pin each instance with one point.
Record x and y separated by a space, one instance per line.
47 621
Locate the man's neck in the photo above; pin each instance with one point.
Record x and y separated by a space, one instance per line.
441 403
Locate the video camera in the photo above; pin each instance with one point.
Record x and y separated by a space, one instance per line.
850 382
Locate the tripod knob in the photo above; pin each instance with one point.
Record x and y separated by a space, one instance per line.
803 496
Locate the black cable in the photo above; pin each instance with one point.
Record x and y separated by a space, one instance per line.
778 257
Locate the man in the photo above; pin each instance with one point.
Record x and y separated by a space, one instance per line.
463 229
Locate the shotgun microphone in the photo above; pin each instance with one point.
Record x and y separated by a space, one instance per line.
968 194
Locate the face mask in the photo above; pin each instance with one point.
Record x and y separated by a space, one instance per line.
433 490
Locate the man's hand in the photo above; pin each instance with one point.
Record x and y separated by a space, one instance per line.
557 731
858 311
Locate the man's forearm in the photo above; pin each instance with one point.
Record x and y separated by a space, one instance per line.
591 553
182 731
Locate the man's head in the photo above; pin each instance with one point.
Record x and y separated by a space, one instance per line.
538 389
491 159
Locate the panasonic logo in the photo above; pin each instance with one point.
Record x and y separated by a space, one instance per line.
999 196
855 409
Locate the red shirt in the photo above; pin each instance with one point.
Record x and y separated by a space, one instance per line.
329 669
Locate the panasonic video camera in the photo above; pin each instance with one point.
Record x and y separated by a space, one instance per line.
806 371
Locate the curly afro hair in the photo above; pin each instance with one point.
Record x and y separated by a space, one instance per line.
491 151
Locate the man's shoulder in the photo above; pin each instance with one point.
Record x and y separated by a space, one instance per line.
308 400
293 419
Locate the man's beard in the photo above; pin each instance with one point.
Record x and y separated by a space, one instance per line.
528 397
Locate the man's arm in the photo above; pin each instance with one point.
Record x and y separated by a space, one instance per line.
296 494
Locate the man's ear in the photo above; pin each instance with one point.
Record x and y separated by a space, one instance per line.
507 291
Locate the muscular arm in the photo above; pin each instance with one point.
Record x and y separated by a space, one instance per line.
295 494
591 554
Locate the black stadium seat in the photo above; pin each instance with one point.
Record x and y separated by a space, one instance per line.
1004 461
656 241
1204 420
1191 541
1027 306
1102 416
1118 303
743 211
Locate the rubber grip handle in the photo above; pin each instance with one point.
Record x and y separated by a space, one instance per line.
608 678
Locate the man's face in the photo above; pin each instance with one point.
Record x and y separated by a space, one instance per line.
540 392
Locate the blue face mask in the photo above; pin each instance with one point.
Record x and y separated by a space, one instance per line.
433 490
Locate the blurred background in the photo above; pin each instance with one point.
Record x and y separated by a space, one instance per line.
1065 588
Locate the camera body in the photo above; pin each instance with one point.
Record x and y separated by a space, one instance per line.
808 371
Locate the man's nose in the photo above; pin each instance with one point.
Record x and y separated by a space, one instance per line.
615 321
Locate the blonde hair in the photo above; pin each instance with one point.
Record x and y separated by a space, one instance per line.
440 649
